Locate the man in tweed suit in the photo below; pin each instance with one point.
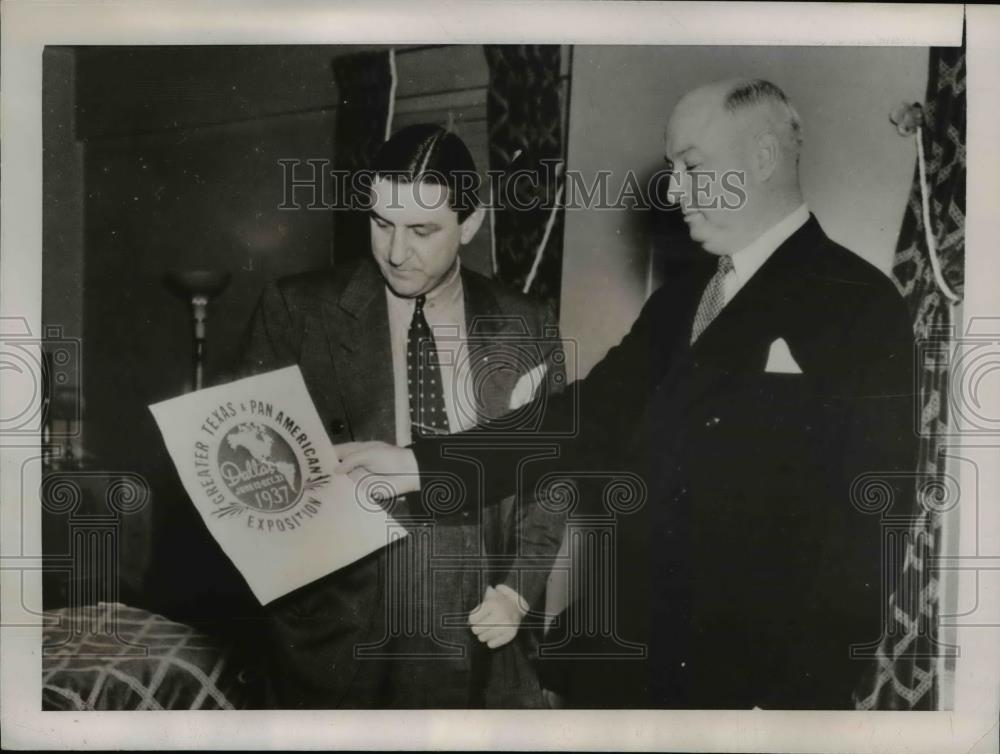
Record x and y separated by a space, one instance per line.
391 630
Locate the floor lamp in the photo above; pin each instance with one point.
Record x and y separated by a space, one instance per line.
198 287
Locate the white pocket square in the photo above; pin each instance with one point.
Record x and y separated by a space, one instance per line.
526 389
780 359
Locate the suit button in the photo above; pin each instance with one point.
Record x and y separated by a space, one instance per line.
336 426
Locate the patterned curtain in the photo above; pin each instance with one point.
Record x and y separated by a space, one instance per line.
524 111
364 82
903 675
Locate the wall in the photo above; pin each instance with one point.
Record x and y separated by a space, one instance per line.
856 171
62 206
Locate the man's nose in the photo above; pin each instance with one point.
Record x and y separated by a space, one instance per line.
397 247
678 187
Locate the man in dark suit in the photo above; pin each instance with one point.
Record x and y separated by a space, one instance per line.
402 344
762 398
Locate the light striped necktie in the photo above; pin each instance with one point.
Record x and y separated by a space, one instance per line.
713 299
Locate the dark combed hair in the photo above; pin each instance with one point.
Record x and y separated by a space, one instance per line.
429 152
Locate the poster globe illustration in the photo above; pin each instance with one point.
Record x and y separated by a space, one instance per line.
258 464
260 468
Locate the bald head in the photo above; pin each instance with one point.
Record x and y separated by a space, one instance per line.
741 132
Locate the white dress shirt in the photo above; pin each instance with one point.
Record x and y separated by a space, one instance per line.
444 310
750 258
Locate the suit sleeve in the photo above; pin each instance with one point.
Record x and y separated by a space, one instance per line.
538 531
593 413
538 534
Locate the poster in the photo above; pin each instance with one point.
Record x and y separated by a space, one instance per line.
257 464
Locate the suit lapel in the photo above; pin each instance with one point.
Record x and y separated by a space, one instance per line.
490 366
357 331
758 302
357 327
736 340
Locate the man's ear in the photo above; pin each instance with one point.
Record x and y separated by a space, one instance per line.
767 152
470 226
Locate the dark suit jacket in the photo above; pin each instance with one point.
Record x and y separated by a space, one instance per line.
335 326
750 571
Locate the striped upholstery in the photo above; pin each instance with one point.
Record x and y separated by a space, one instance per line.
113 657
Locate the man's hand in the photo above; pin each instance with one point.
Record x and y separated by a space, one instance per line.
496 619
380 467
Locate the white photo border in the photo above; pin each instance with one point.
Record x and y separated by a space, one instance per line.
27 26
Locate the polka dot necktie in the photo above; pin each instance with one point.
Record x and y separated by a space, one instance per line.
713 299
423 376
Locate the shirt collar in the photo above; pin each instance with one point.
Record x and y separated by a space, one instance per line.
451 289
749 259
446 294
